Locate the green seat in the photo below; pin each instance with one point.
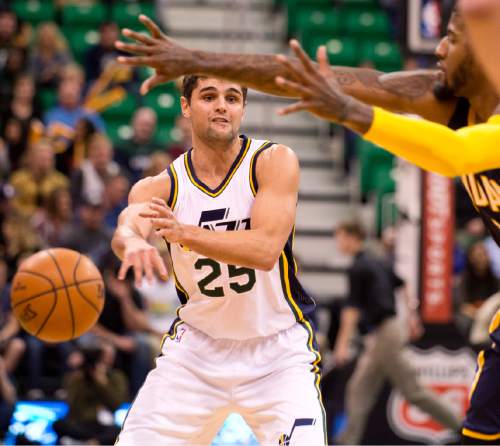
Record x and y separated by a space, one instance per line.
341 51
363 23
127 14
385 55
296 7
365 4
167 133
118 130
80 40
121 111
34 11
166 103
84 15
47 98
318 23
376 165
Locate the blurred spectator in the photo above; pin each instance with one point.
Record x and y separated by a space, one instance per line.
61 120
88 182
12 347
35 182
478 283
18 119
54 218
159 161
98 56
124 323
48 55
13 66
94 393
183 126
134 153
73 72
115 198
89 236
72 158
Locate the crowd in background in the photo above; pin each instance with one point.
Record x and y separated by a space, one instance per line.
63 183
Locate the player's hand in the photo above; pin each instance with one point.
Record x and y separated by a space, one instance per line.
167 57
144 259
316 85
163 221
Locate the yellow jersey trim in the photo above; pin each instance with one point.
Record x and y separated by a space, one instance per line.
479 435
495 322
232 170
480 365
252 174
174 185
286 280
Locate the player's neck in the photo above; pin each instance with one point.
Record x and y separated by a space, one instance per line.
483 101
212 162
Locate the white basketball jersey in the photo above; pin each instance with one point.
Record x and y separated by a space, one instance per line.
229 301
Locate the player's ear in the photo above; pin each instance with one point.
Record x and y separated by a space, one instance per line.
185 107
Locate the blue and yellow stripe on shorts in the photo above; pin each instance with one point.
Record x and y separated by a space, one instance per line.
290 284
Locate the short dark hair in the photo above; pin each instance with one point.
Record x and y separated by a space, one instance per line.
352 228
190 82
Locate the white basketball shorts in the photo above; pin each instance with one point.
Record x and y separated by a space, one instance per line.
272 382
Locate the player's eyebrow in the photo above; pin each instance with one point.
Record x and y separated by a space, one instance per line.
213 89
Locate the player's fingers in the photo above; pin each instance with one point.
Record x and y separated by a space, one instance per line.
147 265
152 27
293 70
137 264
159 266
296 107
122 273
148 214
159 201
139 37
152 81
132 48
136 60
299 89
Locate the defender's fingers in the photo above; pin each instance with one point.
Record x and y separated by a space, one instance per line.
132 48
137 264
151 82
152 27
296 107
323 62
139 37
299 89
136 61
294 70
307 63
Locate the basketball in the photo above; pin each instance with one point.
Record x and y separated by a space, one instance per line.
57 294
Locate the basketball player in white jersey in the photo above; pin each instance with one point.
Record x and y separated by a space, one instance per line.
242 341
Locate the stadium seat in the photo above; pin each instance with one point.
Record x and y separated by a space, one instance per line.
376 165
121 111
341 51
365 4
164 102
297 7
126 14
47 98
317 24
80 39
167 134
89 15
385 55
34 11
118 130
364 23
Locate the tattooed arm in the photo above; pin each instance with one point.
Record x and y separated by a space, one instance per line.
410 92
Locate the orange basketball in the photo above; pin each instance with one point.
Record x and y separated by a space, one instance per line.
57 294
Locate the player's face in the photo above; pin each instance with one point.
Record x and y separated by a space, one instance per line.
456 61
216 110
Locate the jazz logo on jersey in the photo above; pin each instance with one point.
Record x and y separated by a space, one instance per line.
285 439
218 218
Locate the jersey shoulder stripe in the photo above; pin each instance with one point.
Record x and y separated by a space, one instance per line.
253 163
174 186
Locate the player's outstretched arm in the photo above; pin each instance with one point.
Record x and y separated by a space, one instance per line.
272 218
410 91
482 18
429 145
132 232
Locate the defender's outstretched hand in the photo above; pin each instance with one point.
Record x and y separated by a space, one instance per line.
156 51
319 90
